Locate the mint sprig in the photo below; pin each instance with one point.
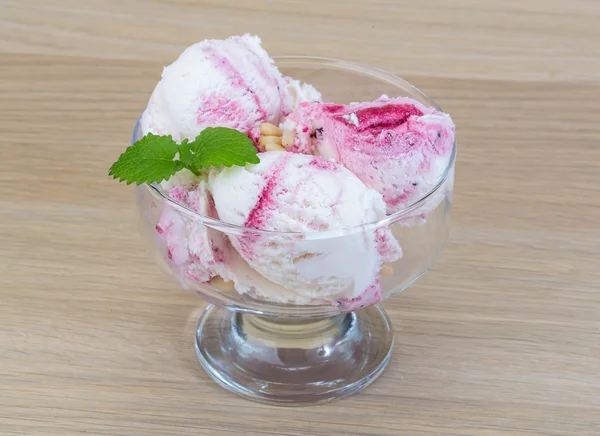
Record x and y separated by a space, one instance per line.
220 146
148 160
155 158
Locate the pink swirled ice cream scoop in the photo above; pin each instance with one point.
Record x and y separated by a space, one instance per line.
227 83
399 147
289 192
195 251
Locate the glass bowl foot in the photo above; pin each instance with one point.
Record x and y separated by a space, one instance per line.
292 362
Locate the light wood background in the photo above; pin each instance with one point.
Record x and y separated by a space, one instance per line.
501 337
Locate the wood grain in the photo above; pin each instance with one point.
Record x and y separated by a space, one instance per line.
501 337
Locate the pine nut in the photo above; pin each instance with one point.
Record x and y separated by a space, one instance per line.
271 146
265 140
219 283
269 129
386 270
288 138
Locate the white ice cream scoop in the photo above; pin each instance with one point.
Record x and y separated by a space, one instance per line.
289 192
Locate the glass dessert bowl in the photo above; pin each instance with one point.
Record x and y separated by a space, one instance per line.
269 334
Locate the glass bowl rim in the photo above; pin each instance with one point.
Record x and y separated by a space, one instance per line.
383 75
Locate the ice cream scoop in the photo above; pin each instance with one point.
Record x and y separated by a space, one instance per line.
228 83
289 192
221 83
194 250
300 92
398 146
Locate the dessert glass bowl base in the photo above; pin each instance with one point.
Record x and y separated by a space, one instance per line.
294 362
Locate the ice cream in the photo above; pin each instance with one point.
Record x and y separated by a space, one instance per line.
300 92
230 83
196 252
289 192
398 147
298 227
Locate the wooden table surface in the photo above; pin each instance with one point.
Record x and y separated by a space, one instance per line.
501 337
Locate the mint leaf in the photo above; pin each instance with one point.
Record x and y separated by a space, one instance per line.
185 153
156 158
187 158
151 159
221 146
